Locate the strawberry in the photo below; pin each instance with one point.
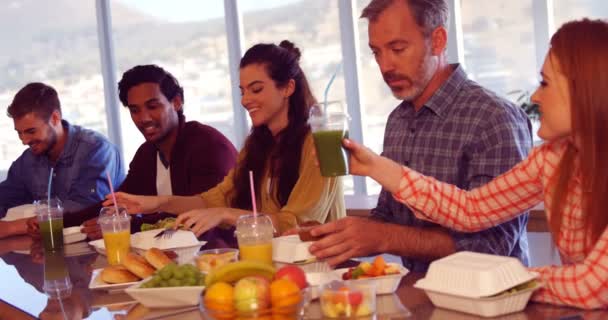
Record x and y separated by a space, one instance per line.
355 298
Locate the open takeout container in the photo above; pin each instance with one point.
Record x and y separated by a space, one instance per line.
183 243
476 283
386 284
291 250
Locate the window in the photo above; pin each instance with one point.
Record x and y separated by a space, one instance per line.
566 10
314 30
377 99
43 46
499 47
188 39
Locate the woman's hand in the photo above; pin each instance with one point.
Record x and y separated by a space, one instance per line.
200 221
33 229
362 159
135 204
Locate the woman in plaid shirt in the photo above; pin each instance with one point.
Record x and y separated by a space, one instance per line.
569 172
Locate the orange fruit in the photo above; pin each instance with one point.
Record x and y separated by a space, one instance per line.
219 300
284 296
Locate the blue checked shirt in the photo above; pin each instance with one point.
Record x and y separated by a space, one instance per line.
464 135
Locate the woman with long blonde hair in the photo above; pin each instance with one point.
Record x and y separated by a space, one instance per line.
569 172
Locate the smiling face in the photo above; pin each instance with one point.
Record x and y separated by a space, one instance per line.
38 134
553 99
266 103
402 51
154 115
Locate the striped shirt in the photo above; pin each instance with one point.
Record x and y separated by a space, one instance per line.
464 135
582 281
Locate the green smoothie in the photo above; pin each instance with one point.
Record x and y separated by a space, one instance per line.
51 232
54 265
333 158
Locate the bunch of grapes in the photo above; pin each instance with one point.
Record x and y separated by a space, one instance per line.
173 275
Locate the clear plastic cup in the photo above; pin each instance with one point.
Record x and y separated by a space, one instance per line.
116 230
50 221
348 299
254 235
57 282
329 126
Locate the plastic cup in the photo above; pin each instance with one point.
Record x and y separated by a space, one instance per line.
116 230
254 235
348 299
50 221
57 282
329 126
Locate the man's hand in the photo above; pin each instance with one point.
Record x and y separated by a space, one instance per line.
347 238
362 161
33 229
91 229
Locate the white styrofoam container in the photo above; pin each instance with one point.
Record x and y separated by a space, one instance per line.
290 249
485 307
166 297
474 275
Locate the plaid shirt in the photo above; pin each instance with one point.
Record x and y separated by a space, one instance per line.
582 281
464 135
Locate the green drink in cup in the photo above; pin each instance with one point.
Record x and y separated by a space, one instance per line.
50 221
329 126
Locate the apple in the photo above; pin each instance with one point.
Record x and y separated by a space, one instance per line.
251 294
294 274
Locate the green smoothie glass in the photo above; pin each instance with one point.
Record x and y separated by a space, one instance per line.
50 220
329 126
57 283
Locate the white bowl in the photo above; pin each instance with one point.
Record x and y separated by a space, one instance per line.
474 275
290 249
384 284
485 307
167 297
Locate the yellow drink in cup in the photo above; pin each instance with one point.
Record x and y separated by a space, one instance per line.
116 230
254 234
117 245
258 252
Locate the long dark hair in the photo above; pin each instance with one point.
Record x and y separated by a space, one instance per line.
282 64
581 48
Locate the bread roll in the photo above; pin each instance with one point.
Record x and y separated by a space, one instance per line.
117 274
156 258
138 265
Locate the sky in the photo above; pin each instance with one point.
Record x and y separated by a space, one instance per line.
196 10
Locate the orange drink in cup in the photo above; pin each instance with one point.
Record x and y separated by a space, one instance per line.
116 230
254 234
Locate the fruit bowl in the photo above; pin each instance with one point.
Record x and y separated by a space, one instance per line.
348 299
287 307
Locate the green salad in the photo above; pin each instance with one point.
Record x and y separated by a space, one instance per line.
161 224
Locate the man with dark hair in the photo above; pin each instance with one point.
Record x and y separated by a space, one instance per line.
447 127
79 157
178 157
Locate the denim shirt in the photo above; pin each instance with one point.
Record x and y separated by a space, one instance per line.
464 135
79 177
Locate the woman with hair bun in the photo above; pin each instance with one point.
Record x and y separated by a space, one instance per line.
279 151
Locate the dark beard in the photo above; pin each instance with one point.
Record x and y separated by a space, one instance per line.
51 141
